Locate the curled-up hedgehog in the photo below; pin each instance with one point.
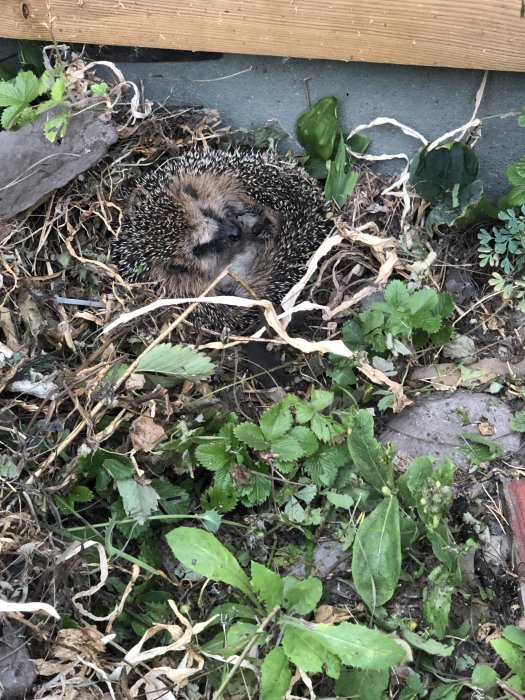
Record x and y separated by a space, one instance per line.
201 212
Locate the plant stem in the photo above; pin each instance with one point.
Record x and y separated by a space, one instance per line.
244 654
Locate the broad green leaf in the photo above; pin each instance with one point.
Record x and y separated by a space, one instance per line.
176 360
220 500
275 675
430 646
342 179
324 427
306 649
371 459
202 552
362 683
257 491
448 691
295 511
317 128
251 435
376 561
287 448
511 655
514 635
340 500
276 421
301 596
483 676
139 500
9 116
518 422
354 644
268 585
306 439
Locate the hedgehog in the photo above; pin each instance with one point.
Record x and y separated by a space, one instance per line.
250 211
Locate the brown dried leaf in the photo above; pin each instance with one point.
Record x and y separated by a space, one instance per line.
485 428
83 640
330 615
145 433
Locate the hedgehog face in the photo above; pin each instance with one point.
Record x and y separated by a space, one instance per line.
217 226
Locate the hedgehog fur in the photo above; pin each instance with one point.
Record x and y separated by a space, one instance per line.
185 221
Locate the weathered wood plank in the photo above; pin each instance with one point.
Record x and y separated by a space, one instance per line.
468 34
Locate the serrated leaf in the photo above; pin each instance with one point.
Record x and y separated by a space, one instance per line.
251 435
276 421
321 399
325 428
376 561
276 675
119 468
267 584
306 439
301 596
58 90
220 500
257 491
396 294
212 455
306 650
9 115
354 644
139 500
202 552
517 423
176 360
369 456
322 467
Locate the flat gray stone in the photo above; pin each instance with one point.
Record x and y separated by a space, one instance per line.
33 167
434 424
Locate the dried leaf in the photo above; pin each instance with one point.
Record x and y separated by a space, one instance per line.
145 433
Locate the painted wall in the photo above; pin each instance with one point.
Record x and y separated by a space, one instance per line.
252 90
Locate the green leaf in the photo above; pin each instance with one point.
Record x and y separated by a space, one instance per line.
301 596
9 116
514 635
139 500
20 93
324 427
436 608
56 127
511 655
484 676
58 91
430 646
322 467
287 448
518 422
362 683
176 360
251 435
276 421
119 468
276 675
342 179
202 552
219 499
321 399
267 584
257 491
307 650
306 439
354 644
371 459
212 455
317 128
376 561
448 691
396 294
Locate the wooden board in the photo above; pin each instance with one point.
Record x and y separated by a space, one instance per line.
462 33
